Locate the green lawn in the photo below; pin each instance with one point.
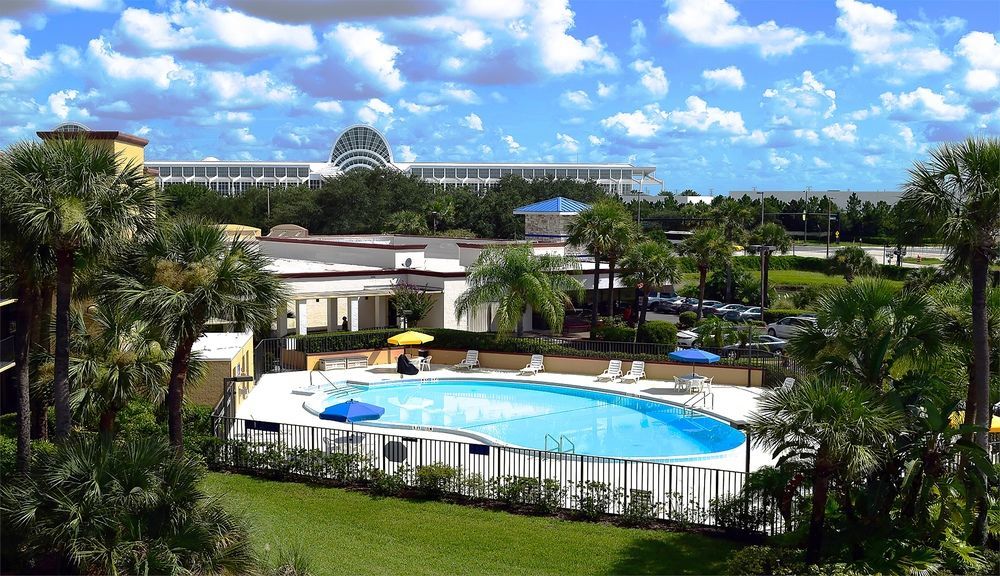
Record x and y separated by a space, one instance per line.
346 532
789 278
924 261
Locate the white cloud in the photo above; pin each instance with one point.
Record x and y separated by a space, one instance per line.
192 24
329 106
512 146
907 135
652 77
982 51
595 141
576 99
59 105
638 36
406 154
754 138
463 95
806 99
241 136
15 64
95 5
474 39
864 113
561 53
485 150
778 162
728 77
870 160
700 116
606 90
373 109
809 136
716 23
473 122
364 45
419 109
229 117
158 71
929 104
567 143
235 89
638 124
846 133
820 163
876 35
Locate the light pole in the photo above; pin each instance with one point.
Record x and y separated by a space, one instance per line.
434 217
761 204
765 250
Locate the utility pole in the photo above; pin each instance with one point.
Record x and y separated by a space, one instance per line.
761 204
828 218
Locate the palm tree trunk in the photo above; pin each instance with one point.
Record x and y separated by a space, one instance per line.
107 425
597 293
43 339
643 306
817 517
175 392
729 282
702 273
22 339
979 391
60 386
611 286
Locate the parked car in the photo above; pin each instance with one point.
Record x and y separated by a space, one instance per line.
789 325
654 297
752 313
693 306
662 306
721 311
676 306
746 351
762 342
686 338
734 314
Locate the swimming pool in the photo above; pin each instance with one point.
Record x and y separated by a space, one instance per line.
519 413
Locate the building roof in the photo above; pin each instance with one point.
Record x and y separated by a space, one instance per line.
221 345
557 205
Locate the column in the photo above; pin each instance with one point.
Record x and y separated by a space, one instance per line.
281 320
380 311
352 313
332 321
302 317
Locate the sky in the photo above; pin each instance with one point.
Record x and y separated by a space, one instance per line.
718 95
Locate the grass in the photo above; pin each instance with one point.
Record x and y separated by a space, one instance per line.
926 261
790 278
343 532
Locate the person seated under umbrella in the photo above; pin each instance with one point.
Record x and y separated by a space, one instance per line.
404 366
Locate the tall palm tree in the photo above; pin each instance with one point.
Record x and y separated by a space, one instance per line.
774 235
514 277
959 186
77 199
734 218
623 236
830 431
866 330
599 230
707 247
647 265
187 274
854 261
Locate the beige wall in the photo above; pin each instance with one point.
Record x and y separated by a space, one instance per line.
383 356
208 391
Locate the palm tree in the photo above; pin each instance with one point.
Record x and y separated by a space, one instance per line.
854 261
187 274
406 222
708 247
623 237
829 430
122 508
599 230
734 218
776 237
960 188
514 277
866 330
647 265
77 199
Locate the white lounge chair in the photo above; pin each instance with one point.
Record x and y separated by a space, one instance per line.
535 366
636 372
614 371
471 360
788 383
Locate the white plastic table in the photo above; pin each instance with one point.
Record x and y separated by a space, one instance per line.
690 380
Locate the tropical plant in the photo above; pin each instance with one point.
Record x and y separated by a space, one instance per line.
76 199
513 277
959 187
411 302
734 218
599 229
853 261
122 508
832 432
769 237
707 247
187 274
647 265
866 330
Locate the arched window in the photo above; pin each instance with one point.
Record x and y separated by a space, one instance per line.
361 146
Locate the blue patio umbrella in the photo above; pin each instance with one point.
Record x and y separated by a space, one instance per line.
694 356
352 411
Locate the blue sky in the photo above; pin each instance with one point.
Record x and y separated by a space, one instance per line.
717 94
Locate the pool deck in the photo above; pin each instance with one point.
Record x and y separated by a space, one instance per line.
272 400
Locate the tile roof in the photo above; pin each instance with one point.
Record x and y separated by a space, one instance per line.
557 205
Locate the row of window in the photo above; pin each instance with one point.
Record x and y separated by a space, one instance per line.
478 187
233 188
526 173
231 171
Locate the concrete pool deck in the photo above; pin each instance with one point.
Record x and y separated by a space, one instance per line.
272 400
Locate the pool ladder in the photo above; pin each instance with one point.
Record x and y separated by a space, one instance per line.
557 443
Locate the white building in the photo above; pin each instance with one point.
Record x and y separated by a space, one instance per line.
362 146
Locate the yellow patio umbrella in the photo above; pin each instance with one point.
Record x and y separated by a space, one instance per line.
957 418
410 338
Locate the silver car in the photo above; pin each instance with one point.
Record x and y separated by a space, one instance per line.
789 325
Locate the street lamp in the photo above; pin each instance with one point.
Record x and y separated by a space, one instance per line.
434 217
761 204
765 251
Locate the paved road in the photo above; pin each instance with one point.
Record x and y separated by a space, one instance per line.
878 253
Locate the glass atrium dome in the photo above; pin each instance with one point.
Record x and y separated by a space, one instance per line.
361 146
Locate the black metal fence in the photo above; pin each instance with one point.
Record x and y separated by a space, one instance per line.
548 481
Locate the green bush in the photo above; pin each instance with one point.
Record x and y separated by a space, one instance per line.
593 499
613 333
775 314
658 332
383 484
756 560
433 480
640 510
688 320
8 457
341 341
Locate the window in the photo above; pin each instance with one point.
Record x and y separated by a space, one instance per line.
188 171
268 172
234 172
439 172
494 172
561 173
164 171
449 172
258 172
303 172
605 174
245 172
550 172
199 171
211 172
506 171
616 174
315 184
279 172
462 173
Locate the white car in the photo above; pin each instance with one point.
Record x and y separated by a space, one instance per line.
752 313
789 325
686 338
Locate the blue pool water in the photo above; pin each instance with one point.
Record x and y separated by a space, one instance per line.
598 423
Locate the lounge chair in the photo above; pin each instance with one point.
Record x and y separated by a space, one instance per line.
614 371
471 360
535 366
788 383
636 372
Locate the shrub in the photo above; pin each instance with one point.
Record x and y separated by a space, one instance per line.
8 457
640 510
550 497
755 560
593 499
515 490
433 480
687 320
742 513
613 333
8 425
382 484
805 297
658 332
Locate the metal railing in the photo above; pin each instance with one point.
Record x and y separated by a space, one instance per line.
7 350
676 492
